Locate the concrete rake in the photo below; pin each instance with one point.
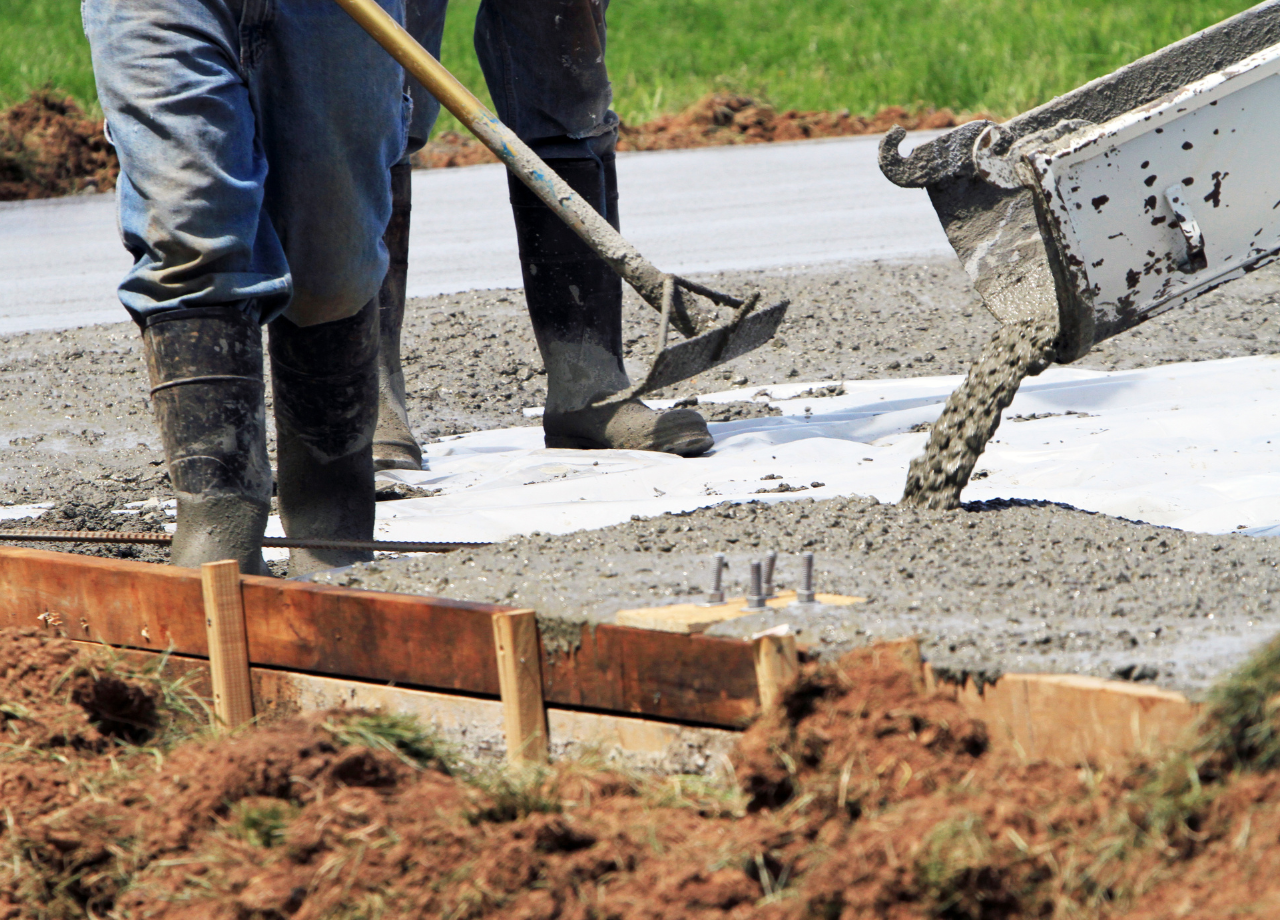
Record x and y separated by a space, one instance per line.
707 344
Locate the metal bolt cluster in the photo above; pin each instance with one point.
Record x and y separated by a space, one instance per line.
762 581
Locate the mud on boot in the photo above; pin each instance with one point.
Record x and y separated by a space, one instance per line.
575 305
394 446
325 382
629 425
205 366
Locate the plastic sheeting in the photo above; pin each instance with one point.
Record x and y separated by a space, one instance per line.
1185 445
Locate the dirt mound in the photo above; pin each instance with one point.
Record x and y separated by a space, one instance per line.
52 695
48 147
723 118
716 120
857 797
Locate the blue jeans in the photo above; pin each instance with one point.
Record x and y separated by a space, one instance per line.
543 61
255 139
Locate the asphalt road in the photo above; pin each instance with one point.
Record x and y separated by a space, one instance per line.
714 209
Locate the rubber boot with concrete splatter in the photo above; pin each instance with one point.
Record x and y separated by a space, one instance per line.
575 304
206 384
394 446
325 383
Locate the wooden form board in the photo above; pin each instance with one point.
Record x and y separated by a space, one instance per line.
449 645
375 636
475 723
1074 719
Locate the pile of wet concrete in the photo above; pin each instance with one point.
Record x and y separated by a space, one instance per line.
1017 587
990 588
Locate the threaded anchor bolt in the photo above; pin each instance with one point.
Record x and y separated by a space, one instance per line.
755 600
716 595
805 595
770 561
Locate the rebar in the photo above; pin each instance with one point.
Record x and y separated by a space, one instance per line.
755 600
805 595
164 539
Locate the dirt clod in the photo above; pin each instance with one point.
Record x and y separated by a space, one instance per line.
49 147
856 797
54 696
716 120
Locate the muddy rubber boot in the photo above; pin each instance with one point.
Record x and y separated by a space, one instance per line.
394 446
325 382
575 305
206 385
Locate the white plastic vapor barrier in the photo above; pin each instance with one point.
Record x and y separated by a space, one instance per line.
1192 445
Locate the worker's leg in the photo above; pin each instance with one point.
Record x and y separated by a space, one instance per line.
394 446
333 121
325 383
207 263
544 64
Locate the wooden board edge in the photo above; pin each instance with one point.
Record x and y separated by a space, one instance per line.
255 583
474 724
1073 718
696 618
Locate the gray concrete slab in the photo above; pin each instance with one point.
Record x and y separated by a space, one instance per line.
714 209
60 262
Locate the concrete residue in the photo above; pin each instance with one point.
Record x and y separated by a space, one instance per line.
998 586
994 587
972 413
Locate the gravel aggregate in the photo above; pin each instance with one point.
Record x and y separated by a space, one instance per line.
990 588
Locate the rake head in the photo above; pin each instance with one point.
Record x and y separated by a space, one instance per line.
746 330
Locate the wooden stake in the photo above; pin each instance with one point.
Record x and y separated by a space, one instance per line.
228 646
515 638
907 651
777 665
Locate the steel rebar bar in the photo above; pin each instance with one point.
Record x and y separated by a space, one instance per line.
164 539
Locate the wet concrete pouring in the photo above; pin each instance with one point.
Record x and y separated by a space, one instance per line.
990 588
973 412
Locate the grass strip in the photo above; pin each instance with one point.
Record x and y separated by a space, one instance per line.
999 56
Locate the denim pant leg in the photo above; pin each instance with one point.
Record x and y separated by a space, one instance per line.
544 64
192 172
424 20
333 119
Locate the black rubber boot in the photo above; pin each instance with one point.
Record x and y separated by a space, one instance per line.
206 385
575 304
325 382
394 446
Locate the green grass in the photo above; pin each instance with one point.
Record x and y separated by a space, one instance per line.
1001 56
42 42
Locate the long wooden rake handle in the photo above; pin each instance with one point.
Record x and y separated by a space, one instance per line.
583 219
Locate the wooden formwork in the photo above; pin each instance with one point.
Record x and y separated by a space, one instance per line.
485 666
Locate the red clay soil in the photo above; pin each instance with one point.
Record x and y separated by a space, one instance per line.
717 120
49 147
856 798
